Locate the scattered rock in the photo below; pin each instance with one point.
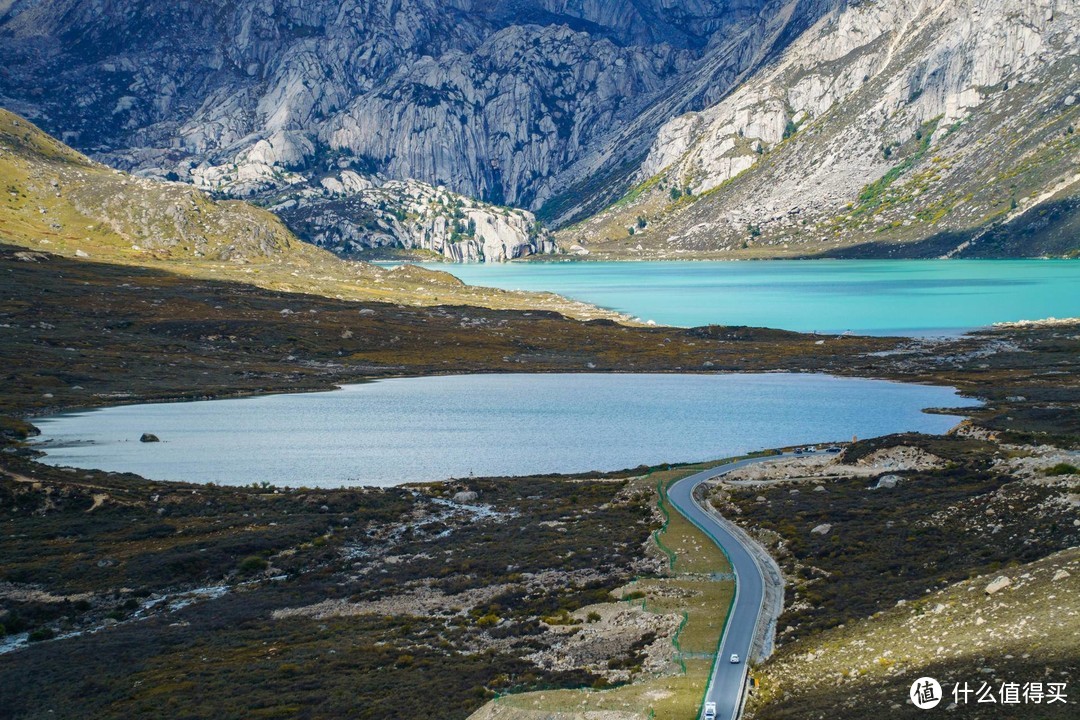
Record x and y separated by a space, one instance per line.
1061 575
466 496
81 254
999 583
149 438
30 256
822 529
886 482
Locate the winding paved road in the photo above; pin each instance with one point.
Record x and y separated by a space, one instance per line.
727 679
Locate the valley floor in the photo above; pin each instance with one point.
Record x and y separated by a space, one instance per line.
197 600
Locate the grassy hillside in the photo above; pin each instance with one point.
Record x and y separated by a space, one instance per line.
59 201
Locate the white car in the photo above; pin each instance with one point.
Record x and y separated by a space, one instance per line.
734 659
710 711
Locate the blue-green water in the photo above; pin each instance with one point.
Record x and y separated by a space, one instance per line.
434 428
903 297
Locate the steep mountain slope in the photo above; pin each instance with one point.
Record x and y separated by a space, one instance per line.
507 102
60 201
799 127
925 128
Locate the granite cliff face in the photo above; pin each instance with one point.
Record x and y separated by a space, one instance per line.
521 103
897 127
490 99
782 112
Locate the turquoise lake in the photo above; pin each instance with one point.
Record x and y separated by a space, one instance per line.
889 297
435 428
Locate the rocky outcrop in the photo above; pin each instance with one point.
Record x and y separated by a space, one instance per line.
465 496
350 215
883 123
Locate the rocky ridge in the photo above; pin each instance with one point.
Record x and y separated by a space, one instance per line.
490 100
525 103
920 127
747 128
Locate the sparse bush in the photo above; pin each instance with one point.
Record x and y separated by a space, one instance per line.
1061 469
253 564
42 633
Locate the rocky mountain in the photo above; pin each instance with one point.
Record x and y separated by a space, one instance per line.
889 128
788 126
532 103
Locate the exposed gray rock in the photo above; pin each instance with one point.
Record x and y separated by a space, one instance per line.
349 215
562 106
466 496
822 529
997 584
149 438
853 98
510 102
886 482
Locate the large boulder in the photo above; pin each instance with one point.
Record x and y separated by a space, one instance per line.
886 482
999 583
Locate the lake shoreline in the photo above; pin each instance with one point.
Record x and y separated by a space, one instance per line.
400 430
905 298
441 342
